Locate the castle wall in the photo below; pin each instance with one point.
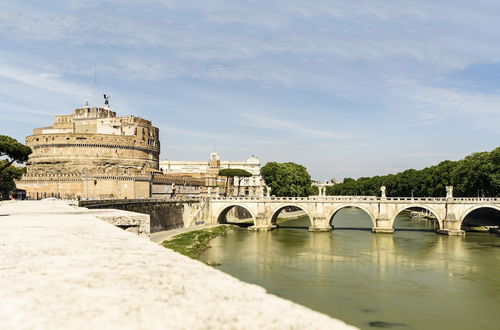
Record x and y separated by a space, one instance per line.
77 187
71 160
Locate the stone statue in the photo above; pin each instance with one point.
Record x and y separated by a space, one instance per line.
106 100
449 191
382 190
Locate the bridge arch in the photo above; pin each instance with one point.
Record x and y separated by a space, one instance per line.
222 214
421 206
477 207
277 210
334 211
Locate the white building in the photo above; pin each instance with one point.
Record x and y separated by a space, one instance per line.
252 186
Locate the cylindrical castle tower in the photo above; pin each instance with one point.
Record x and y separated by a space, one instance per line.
92 154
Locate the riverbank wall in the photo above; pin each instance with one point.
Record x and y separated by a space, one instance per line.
165 214
63 268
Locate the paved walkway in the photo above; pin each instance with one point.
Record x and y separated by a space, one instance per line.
61 269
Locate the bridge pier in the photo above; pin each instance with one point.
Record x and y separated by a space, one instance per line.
383 225
262 223
451 226
261 228
320 224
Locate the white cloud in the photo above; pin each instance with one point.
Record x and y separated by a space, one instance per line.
42 80
284 125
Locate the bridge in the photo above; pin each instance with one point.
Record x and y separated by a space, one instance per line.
449 211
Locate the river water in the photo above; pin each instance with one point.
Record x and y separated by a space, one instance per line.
412 279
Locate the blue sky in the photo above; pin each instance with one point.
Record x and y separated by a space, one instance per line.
346 88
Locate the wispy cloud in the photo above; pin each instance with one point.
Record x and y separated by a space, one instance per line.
284 125
42 80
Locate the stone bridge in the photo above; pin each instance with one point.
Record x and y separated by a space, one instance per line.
449 212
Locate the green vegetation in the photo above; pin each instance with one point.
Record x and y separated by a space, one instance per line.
193 243
476 174
7 177
287 179
230 173
12 151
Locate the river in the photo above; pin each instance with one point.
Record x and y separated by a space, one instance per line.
412 279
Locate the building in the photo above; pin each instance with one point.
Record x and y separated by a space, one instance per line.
208 170
92 153
175 186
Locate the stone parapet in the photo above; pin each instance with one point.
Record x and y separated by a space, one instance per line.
67 270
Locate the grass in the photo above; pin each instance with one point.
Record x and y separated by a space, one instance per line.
193 243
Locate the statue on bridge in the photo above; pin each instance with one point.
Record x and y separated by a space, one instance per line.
449 191
382 191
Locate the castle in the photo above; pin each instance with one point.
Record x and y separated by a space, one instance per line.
92 153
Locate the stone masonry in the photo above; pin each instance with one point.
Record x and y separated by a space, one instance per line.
67 270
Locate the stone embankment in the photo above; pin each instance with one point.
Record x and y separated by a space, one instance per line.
165 214
63 268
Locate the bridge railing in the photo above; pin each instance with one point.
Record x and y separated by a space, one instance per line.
326 199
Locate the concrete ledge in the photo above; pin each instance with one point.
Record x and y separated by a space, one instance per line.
133 222
451 232
382 230
63 269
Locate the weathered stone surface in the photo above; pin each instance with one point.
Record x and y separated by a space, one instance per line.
92 153
164 214
65 269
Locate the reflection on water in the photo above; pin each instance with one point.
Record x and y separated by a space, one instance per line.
413 279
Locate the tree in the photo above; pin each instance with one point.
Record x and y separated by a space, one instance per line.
12 151
7 177
231 173
478 173
287 179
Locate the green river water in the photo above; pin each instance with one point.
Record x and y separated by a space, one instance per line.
412 279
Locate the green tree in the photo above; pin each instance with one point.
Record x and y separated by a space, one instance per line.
11 151
478 173
287 179
7 177
231 173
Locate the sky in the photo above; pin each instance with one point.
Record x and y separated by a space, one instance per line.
346 88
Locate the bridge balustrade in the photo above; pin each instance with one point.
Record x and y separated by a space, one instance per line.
364 198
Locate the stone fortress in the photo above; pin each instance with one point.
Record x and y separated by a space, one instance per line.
92 153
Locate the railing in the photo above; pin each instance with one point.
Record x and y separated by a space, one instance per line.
326 199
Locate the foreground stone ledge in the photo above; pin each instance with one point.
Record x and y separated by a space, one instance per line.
67 270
